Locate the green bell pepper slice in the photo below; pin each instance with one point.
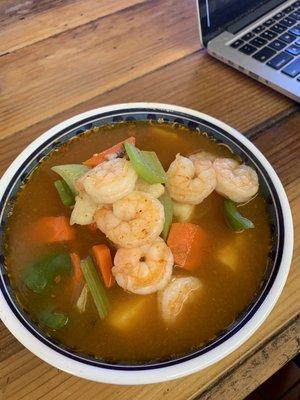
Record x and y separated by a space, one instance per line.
146 164
234 219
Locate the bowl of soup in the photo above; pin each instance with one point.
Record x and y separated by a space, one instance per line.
140 243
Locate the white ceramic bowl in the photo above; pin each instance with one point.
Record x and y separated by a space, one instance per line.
32 338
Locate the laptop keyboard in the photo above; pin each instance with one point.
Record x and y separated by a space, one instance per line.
276 42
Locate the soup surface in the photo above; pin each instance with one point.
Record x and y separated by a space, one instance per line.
231 267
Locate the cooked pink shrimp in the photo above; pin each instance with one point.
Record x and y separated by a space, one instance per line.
178 292
238 182
109 181
134 220
145 269
191 180
202 156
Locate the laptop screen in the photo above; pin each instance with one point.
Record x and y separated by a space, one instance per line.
216 15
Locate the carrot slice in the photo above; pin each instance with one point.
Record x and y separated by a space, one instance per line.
76 282
103 260
51 230
186 242
98 158
77 275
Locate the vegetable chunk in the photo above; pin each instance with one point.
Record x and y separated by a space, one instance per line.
95 286
182 211
146 164
166 201
127 315
64 192
53 320
103 260
234 219
186 242
52 230
77 273
70 174
98 158
39 276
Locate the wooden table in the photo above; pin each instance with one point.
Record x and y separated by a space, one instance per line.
62 57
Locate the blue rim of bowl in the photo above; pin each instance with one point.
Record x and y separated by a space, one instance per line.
145 114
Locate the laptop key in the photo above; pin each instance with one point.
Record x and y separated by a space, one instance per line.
288 10
258 42
293 69
296 15
269 35
298 42
247 49
279 60
269 22
288 21
264 54
295 30
287 38
248 36
277 44
293 49
278 16
278 28
237 43
259 29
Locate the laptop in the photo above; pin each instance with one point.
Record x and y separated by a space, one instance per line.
258 37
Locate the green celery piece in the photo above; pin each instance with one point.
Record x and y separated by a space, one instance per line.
234 219
166 201
153 161
53 320
71 173
146 164
39 276
95 286
65 193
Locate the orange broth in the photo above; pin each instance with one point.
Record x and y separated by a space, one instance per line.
231 270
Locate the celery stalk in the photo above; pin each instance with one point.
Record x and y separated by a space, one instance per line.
70 174
95 286
65 193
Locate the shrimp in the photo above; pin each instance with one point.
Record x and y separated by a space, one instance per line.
84 210
156 189
145 269
134 220
203 156
109 181
191 180
238 182
178 292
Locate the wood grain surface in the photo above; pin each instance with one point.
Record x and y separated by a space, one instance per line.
60 58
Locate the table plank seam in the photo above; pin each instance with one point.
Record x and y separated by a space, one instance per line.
269 123
92 21
229 372
251 134
107 92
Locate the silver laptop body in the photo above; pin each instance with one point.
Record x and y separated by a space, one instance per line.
259 38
